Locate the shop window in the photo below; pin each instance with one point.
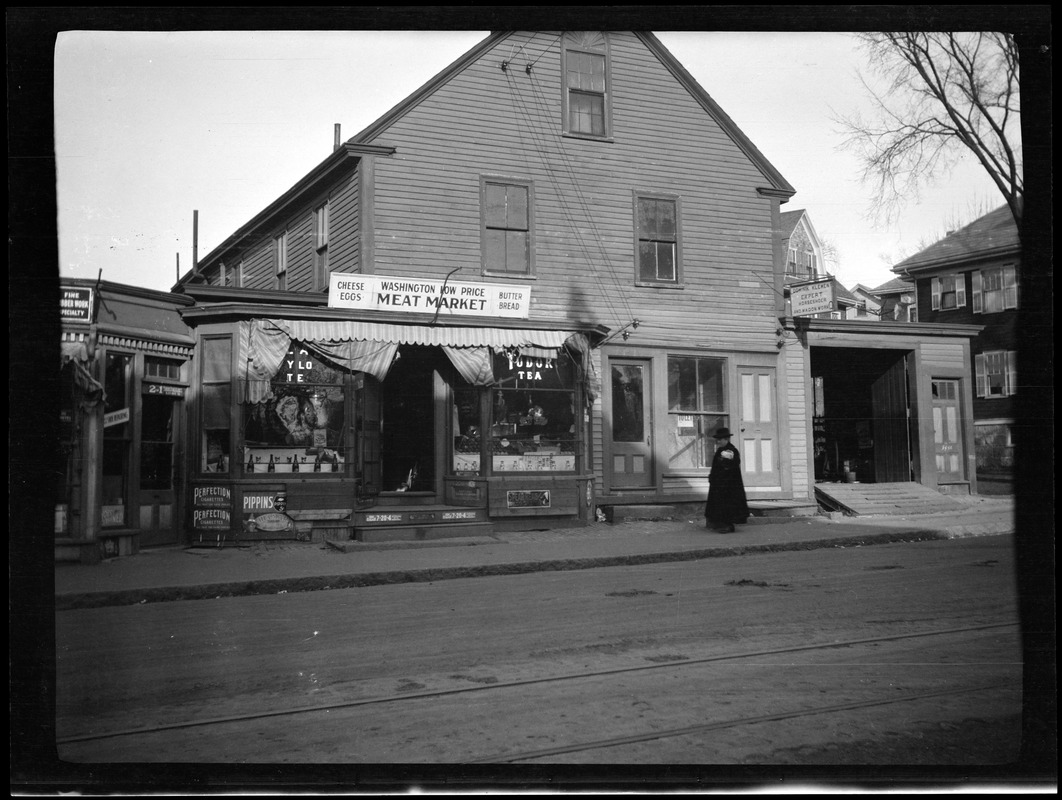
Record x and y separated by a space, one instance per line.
533 419
948 292
995 289
320 244
996 373
657 252
696 399
467 429
586 92
301 427
117 439
216 405
507 222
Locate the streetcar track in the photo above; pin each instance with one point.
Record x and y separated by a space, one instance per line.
619 741
669 665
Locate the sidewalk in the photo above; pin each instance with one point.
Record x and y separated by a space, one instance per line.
274 567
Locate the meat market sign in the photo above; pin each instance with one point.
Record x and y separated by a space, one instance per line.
447 298
809 299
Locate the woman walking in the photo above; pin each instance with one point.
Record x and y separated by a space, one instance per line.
726 504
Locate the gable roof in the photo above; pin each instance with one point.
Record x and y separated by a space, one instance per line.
788 220
895 286
779 186
995 235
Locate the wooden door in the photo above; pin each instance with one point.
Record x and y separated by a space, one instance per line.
367 465
757 434
891 424
948 447
631 429
159 420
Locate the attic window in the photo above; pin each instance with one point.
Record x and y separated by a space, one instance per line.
587 104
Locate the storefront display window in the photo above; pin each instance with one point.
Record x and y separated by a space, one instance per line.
696 409
533 421
216 398
300 428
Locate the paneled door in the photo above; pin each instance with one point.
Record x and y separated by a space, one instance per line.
947 436
630 425
757 433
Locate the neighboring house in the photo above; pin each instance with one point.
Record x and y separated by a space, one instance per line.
894 300
973 276
801 246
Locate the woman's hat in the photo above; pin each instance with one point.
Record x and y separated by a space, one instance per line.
722 433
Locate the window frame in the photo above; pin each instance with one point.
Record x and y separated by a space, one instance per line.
1007 292
937 291
507 181
586 46
1008 369
639 280
280 260
223 382
321 232
707 419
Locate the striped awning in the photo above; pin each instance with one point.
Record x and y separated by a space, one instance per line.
348 331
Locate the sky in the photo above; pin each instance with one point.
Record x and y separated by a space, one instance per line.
153 126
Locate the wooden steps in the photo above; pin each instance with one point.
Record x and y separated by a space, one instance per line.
884 498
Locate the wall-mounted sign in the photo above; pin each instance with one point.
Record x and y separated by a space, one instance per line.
116 417
75 304
163 389
382 293
212 508
811 298
534 498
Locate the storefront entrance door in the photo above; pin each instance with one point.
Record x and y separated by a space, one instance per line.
159 417
758 427
632 445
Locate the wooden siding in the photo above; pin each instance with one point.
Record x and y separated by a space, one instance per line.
301 252
344 235
797 399
427 205
259 269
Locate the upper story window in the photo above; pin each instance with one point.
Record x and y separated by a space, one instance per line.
995 289
657 253
506 226
587 106
280 259
996 373
948 292
812 263
320 246
791 262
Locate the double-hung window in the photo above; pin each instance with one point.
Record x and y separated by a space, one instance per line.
586 95
996 373
507 226
657 252
280 259
320 247
948 292
995 289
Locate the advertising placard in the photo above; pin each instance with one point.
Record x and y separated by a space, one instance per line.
383 293
212 507
75 304
809 299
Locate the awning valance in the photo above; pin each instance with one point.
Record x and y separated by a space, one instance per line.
370 347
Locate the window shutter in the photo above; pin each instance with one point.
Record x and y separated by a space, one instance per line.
1011 359
981 375
1010 287
960 290
978 302
935 294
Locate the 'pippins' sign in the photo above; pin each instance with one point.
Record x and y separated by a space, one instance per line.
811 298
381 293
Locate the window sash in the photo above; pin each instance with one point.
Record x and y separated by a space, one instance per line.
657 223
507 228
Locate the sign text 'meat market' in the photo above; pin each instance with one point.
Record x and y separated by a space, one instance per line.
382 293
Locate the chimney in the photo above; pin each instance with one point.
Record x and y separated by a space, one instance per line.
335 144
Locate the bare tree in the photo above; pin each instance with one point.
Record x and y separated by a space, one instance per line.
946 95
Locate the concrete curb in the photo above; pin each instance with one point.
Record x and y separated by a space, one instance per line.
67 602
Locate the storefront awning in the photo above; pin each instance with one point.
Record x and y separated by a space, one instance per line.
370 347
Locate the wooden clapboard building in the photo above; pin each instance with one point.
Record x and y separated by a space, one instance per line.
535 287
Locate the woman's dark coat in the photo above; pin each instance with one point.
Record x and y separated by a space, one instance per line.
727 504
